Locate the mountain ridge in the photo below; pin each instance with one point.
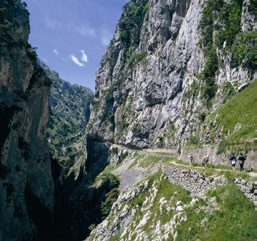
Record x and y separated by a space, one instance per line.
69 115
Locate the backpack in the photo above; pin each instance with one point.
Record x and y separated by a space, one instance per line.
241 160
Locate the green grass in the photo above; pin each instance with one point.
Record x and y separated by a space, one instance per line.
149 161
106 172
137 158
234 219
115 237
239 110
226 222
167 160
232 175
171 193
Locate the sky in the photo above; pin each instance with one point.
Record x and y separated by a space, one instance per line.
72 35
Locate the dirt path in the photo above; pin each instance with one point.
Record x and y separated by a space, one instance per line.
171 153
130 173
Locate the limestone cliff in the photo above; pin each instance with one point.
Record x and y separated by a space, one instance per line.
69 114
27 190
169 66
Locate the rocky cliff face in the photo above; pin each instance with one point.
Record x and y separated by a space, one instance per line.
27 191
170 77
69 115
167 68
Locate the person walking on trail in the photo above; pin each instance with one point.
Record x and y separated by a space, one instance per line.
205 160
190 159
233 161
241 160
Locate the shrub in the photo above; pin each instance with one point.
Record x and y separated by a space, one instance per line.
131 22
110 198
194 140
140 57
244 51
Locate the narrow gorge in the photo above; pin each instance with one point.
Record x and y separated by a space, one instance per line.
178 77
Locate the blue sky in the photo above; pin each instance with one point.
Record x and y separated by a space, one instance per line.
72 35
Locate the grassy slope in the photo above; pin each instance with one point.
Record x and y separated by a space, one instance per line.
240 110
232 218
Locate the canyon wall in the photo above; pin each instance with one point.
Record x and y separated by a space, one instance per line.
27 189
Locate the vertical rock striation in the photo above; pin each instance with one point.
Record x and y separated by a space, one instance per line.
153 79
27 190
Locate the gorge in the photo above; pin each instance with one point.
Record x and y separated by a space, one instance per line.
178 77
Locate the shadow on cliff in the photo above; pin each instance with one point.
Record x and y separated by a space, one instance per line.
78 204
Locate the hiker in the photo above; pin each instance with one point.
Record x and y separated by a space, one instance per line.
205 160
233 161
190 159
241 160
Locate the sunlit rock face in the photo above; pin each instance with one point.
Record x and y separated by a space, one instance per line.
148 84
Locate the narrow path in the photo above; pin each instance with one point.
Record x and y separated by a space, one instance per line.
131 173
171 153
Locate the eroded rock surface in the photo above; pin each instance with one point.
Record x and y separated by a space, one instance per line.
27 190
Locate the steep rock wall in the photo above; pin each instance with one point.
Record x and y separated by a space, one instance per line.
150 88
152 83
27 191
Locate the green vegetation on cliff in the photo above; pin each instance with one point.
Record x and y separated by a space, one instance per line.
131 22
236 119
233 219
11 26
69 115
8 11
220 28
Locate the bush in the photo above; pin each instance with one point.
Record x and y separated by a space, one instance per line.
244 51
131 22
160 142
194 140
110 198
140 57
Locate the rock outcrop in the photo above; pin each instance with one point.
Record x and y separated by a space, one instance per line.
158 81
69 115
26 183
169 66
154 209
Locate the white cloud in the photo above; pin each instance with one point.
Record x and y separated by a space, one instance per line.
84 56
86 31
76 61
106 37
